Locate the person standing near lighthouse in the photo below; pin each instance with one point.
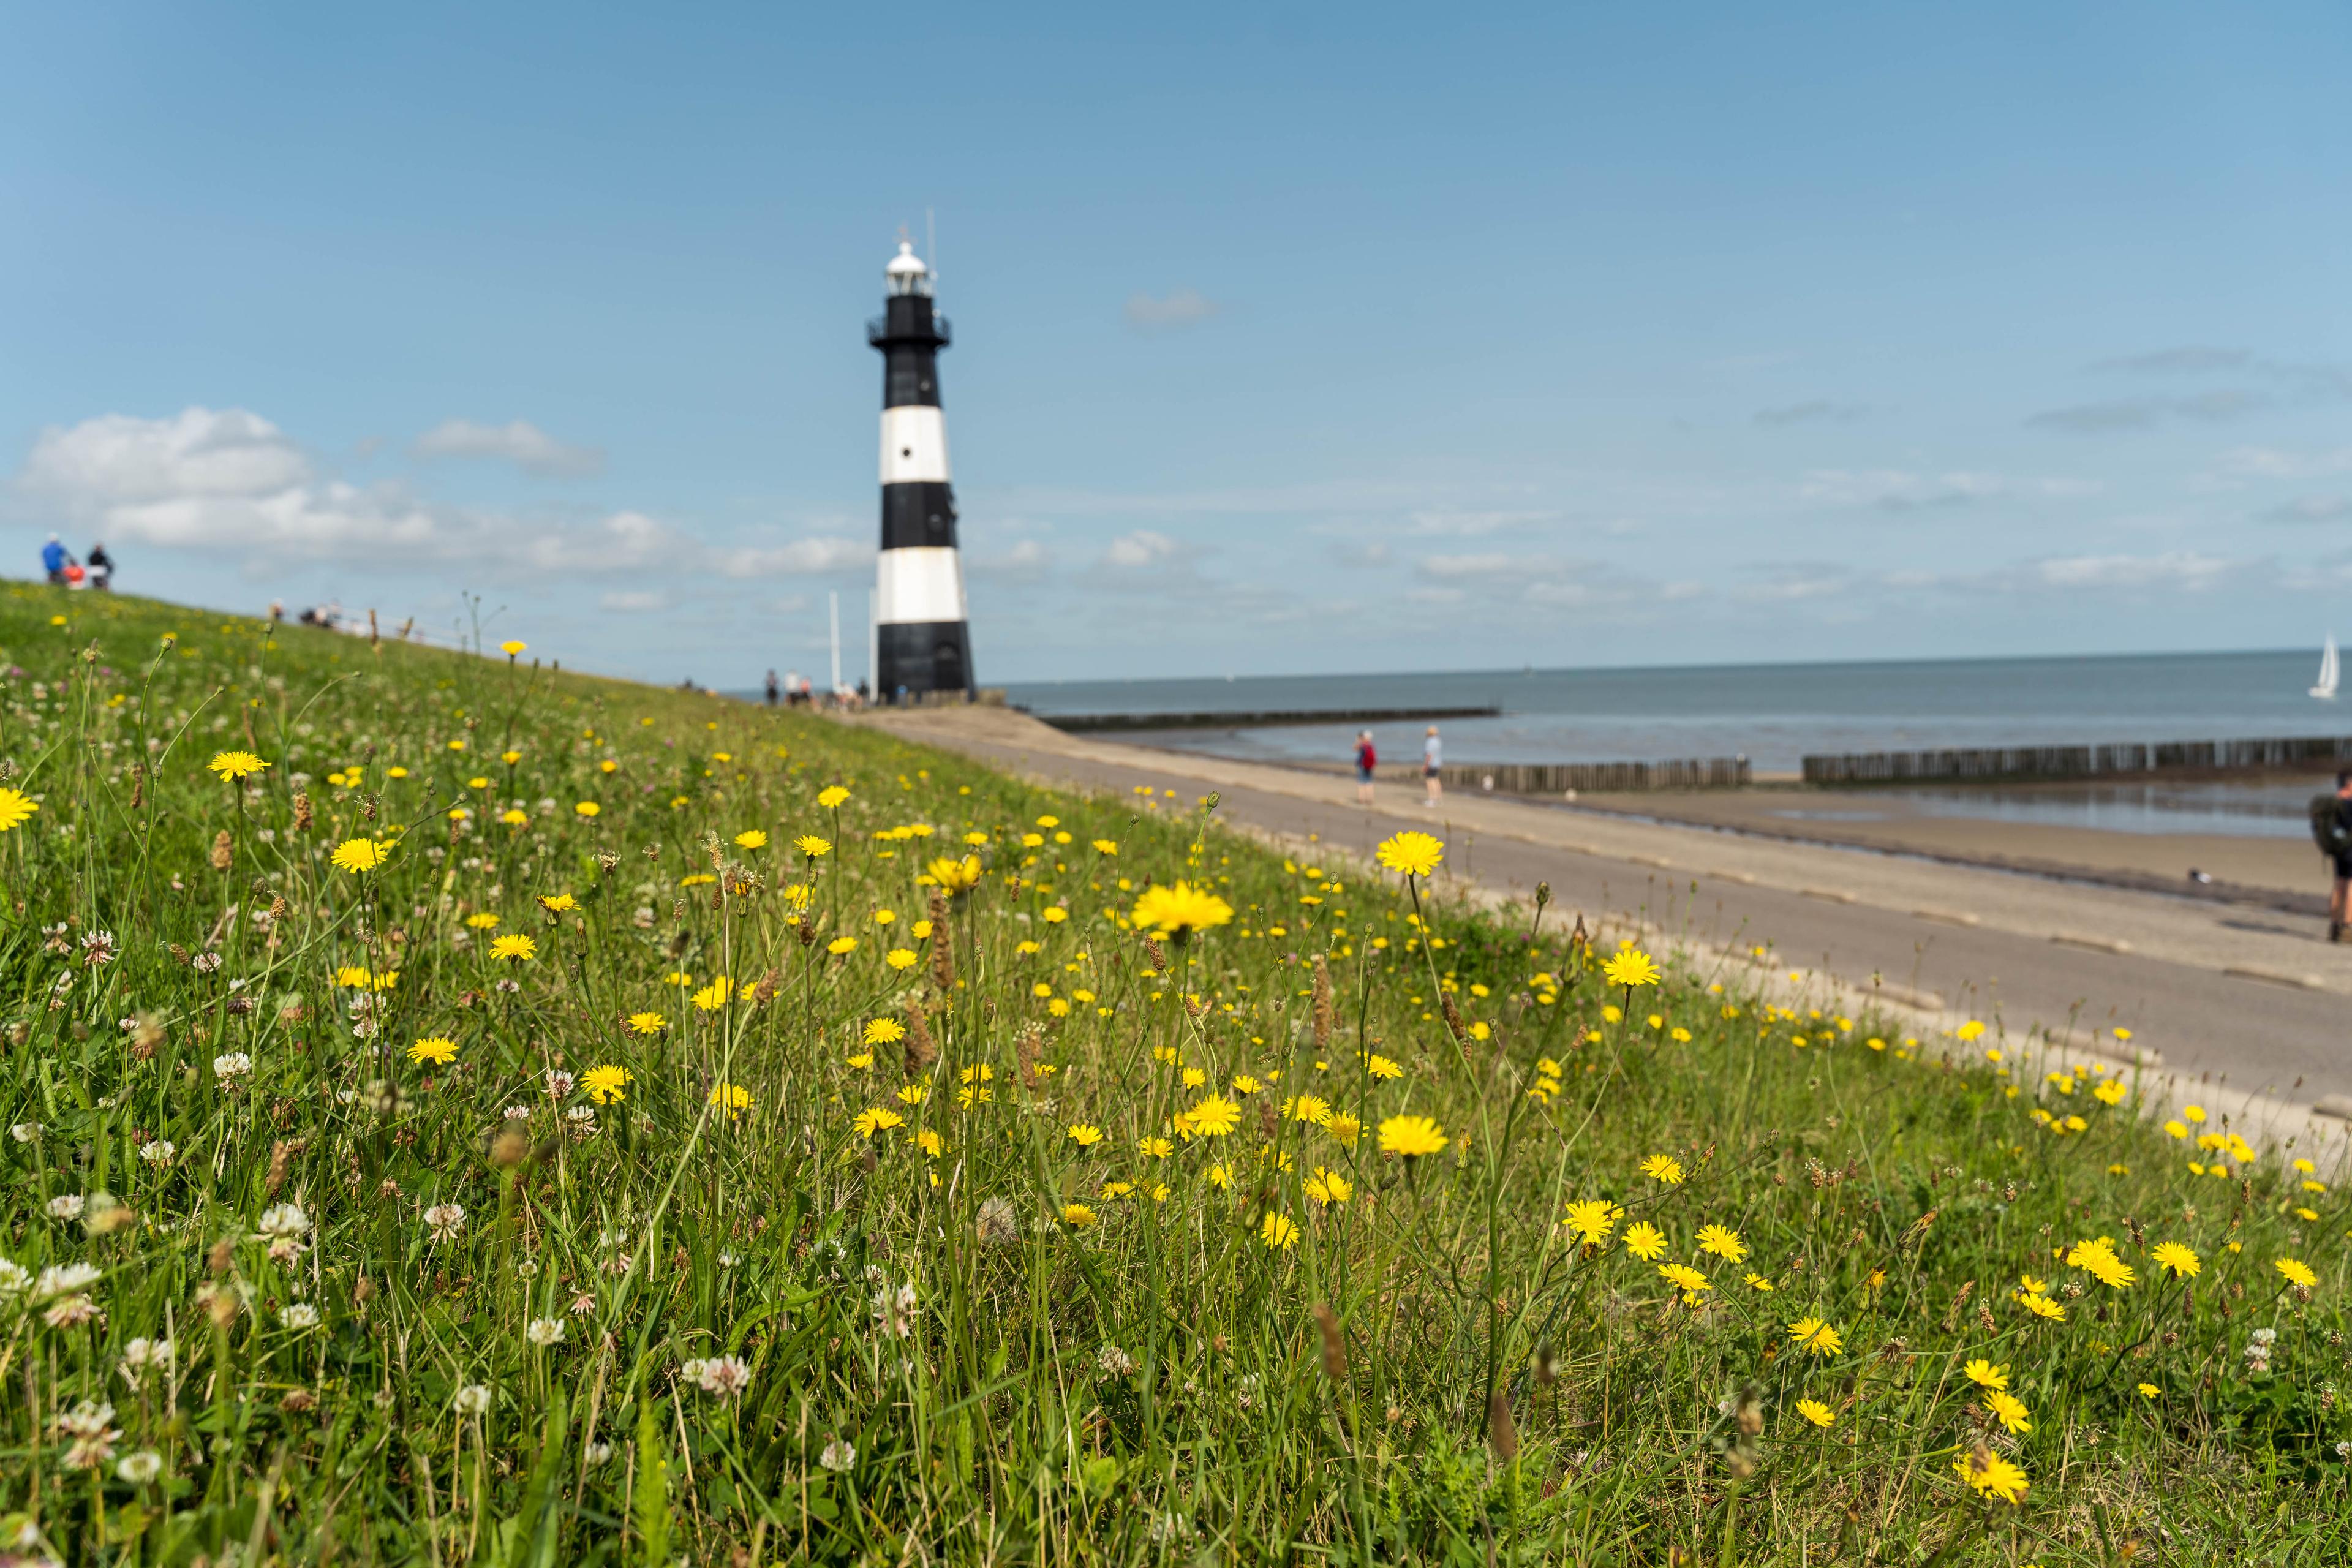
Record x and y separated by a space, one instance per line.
922 642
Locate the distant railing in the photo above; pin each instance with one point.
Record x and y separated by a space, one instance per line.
878 331
2120 760
1558 778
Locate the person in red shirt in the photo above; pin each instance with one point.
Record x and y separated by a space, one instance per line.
1366 759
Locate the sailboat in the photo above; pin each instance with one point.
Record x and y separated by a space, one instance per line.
2326 687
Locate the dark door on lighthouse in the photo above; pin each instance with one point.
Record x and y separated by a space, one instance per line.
947 666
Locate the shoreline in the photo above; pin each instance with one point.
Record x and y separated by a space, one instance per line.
2281 876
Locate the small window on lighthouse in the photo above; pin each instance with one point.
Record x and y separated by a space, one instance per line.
906 451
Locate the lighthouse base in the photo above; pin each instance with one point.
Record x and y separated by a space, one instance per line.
922 657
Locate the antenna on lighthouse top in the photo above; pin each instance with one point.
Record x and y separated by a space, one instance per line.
930 244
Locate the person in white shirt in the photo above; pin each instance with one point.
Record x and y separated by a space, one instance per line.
1431 754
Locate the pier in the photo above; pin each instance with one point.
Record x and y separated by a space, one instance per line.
2000 764
1079 723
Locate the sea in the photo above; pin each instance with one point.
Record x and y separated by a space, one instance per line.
1776 714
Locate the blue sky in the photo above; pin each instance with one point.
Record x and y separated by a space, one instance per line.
1286 339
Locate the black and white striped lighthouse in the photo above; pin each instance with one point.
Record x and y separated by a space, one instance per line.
921 641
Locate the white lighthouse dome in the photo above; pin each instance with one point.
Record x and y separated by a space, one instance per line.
907 273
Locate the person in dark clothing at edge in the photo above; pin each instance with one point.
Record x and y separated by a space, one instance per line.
101 567
2331 829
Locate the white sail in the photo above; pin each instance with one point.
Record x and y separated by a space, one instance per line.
2328 674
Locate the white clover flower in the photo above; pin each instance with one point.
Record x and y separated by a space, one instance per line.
725 1375
141 1467
25 1132
85 1419
597 1453
471 1400
67 1205
544 1331
141 1354
206 963
284 1219
232 1065
559 1083
64 1279
158 1151
447 1220
838 1455
15 1277
299 1315
1115 1362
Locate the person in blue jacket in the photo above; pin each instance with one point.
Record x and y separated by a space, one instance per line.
55 558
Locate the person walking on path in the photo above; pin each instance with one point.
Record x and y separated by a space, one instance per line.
2331 829
54 559
1367 759
775 688
1432 753
101 567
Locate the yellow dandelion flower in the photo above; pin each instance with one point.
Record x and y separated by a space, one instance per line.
1984 1374
1645 1240
606 1084
1631 967
432 1049
1279 1232
647 1022
2296 1272
1214 1117
1413 854
1815 1335
810 844
1180 908
1664 1168
883 1032
16 807
1723 1242
232 766
877 1119
1411 1136
1814 1410
752 838
513 948
831 796
358 855
733 1098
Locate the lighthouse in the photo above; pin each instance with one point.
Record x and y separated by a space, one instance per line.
921 641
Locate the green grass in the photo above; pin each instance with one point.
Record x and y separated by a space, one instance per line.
1040 1350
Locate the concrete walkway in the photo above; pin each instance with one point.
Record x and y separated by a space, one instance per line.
2226 996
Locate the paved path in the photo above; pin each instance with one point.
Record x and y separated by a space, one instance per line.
2029 950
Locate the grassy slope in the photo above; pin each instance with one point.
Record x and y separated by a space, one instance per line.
1111 1376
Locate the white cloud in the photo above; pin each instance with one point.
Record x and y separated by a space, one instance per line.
2185 570
1144 547
1490 564
116 459
2273 463
1894 490
1177 308
802 557
632 601
518 442
1024 562
228 479
1450 523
